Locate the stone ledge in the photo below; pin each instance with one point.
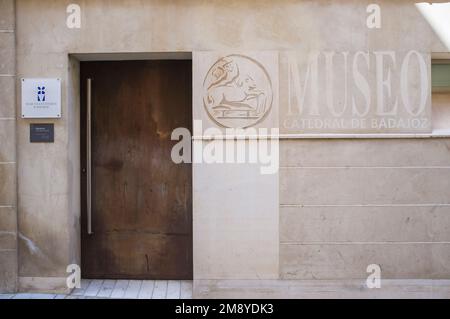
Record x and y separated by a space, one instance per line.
43 285
322 289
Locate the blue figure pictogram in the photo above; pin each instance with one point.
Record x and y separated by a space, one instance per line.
41 94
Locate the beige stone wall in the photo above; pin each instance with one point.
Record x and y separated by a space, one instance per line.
322 91
235 207
48 175
8 211
346 204
48 184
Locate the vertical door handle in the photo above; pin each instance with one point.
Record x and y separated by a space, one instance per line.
88 157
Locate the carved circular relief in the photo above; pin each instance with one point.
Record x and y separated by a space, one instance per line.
237 92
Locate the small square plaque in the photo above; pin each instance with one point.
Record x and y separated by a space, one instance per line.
42 133
41 98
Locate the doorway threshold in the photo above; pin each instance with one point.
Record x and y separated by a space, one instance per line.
134 289
119 289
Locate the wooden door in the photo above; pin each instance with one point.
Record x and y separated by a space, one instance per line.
141 200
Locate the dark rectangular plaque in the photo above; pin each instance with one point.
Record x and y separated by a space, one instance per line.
42 133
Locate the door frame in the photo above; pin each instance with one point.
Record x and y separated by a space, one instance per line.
75 149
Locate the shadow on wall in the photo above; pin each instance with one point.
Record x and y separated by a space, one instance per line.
437 15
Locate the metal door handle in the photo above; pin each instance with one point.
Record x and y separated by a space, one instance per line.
88 158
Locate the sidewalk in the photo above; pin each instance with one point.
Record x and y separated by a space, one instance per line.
119 289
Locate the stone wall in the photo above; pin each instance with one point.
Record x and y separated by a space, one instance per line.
376 180
346 204
8 211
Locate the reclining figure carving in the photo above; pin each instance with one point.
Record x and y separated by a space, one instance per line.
233 94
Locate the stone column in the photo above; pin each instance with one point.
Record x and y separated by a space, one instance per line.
8 173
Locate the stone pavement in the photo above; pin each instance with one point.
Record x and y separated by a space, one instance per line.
119 289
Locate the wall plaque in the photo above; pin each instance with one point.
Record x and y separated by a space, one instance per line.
42 133
236 89
41 98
